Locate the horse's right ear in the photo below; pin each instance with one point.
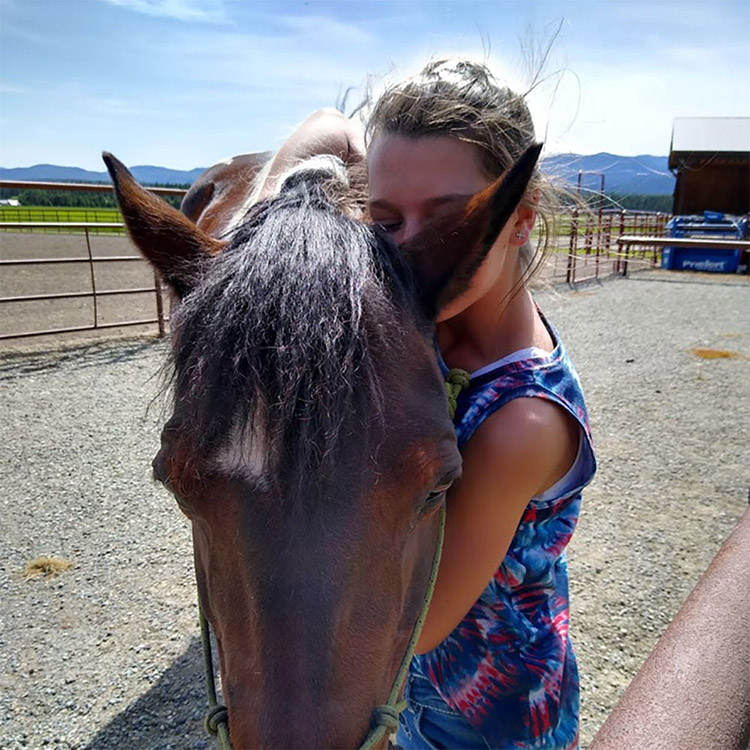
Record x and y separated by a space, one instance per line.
168 239
449 251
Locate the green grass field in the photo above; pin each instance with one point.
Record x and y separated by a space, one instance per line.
47 214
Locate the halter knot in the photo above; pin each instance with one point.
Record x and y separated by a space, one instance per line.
387 715
455 381
215 716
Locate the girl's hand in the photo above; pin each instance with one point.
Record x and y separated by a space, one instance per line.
325 131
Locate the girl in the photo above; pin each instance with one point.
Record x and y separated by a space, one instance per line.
495 667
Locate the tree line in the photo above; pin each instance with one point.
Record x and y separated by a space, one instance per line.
74 198
635 202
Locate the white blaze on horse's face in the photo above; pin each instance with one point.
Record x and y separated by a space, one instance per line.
245 453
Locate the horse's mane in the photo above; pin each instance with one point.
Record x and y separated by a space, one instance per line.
287 327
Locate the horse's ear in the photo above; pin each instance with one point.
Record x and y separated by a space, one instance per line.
447 253
168 239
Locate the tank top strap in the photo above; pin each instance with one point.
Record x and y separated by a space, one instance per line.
549 375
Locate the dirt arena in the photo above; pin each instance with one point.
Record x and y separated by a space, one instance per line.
107 654
19 317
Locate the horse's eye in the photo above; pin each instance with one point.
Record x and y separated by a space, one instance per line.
436 497
442 488
158 472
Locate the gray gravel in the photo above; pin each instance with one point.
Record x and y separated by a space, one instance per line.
107 654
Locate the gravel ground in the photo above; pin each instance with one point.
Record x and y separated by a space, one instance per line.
107 655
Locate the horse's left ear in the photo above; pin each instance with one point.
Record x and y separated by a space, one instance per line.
168 239
446 254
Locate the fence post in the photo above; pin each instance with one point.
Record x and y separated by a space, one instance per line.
570 273
599 223
159 304
608 238
619 246
93 277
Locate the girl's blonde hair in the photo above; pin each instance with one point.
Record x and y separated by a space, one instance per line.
462 99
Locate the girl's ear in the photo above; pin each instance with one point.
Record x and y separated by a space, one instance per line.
168 239
446 254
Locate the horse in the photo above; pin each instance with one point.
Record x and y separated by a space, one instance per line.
310 443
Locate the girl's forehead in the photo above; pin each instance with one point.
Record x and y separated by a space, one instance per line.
422 167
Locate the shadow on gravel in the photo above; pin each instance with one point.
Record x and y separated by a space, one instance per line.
169 715
17 364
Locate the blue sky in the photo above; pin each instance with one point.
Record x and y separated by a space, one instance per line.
186 83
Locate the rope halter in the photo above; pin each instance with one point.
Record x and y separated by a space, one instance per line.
455 382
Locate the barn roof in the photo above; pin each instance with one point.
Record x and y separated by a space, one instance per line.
711 135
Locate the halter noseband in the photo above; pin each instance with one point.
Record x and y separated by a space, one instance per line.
386 715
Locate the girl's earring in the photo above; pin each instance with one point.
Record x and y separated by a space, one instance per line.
520 235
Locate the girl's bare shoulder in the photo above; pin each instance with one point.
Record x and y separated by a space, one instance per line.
532 439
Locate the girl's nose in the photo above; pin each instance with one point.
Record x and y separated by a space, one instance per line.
410 228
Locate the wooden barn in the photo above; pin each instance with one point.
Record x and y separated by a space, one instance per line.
710 157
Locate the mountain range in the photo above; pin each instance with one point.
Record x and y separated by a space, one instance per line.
644 175
640 175
147 175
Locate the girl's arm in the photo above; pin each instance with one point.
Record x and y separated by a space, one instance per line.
517 453
325 131
693 692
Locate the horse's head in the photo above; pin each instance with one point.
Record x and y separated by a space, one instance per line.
310 444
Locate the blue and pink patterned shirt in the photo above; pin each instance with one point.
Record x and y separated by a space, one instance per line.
509 667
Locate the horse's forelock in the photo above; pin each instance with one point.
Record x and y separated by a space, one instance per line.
290 327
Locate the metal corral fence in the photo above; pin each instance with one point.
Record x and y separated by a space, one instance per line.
85 222
585 247
94 293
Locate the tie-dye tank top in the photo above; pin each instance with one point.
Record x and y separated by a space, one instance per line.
509 667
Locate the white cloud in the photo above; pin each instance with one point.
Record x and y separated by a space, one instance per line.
304 60
205 11
9 88
322 27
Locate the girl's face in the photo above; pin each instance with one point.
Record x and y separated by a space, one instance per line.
414 180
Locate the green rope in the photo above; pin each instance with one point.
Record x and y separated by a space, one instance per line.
386 716
455 381
216 720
